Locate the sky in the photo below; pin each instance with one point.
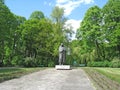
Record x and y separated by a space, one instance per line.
74 9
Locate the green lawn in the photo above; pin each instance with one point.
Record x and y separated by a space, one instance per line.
104 78
112 73
10 73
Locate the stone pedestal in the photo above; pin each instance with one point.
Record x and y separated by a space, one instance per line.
62 67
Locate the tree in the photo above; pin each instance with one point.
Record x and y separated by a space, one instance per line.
7 21
36 37
20 19
60 31
2 1
111 25
75 47
37 15
16 35
90 32
99 33
58 15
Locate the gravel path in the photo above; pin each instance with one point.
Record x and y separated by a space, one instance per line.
50 79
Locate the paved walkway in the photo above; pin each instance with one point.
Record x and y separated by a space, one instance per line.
50 79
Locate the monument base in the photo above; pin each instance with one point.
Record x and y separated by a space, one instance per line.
62 67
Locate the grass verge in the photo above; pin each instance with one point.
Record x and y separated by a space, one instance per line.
112 73
101 80
10 73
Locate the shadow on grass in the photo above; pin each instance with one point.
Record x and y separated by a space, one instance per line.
8 73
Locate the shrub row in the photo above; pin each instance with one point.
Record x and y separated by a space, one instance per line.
29 62
114 64
37 62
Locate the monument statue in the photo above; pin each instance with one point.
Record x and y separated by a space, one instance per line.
62 57
62 54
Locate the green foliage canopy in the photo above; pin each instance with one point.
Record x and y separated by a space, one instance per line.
37 15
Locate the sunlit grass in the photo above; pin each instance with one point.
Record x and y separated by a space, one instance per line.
112 73
104 78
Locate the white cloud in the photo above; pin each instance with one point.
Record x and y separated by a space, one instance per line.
47 3
70 5
88 1
62 1
75 24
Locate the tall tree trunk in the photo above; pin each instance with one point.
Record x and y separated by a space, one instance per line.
98 50
118 48
2 58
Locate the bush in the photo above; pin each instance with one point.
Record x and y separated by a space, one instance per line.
33 62
115 63
51 64
17 61
29 62
98 64
6 62
106 64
